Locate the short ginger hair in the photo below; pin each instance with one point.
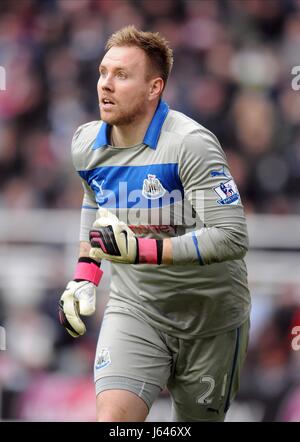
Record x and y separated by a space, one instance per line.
156 47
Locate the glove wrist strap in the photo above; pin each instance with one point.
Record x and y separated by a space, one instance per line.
149 251
88 269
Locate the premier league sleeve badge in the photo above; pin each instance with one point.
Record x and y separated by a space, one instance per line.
228 193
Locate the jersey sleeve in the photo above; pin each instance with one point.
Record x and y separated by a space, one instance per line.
88 212
210 188
89 205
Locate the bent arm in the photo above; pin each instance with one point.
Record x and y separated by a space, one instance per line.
209 187
84 249
88 215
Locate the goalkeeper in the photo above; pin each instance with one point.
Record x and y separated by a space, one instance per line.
161 205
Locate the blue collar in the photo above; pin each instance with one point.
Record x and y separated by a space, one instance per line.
153 132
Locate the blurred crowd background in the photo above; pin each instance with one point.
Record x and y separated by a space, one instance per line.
232 73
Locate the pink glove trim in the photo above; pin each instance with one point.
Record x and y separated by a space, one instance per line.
147 251
88 271
94 237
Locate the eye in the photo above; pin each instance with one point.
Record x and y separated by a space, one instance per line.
102 72
121 75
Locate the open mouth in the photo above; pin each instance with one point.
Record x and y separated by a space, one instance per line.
107 101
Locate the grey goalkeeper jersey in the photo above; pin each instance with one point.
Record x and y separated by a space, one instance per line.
177 185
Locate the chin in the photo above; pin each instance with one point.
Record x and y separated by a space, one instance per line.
104 116
112 121
117 119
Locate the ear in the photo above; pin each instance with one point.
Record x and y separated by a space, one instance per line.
156 88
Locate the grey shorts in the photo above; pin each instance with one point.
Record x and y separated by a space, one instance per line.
202 375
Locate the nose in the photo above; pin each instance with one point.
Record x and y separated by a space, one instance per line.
106 83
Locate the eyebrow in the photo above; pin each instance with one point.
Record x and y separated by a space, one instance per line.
117 68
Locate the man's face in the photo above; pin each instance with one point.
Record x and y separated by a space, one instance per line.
122 87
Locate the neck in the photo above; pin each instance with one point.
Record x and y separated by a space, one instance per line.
134 133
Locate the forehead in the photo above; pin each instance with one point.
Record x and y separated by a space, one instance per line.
124 56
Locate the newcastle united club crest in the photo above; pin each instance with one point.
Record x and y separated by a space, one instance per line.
152 188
